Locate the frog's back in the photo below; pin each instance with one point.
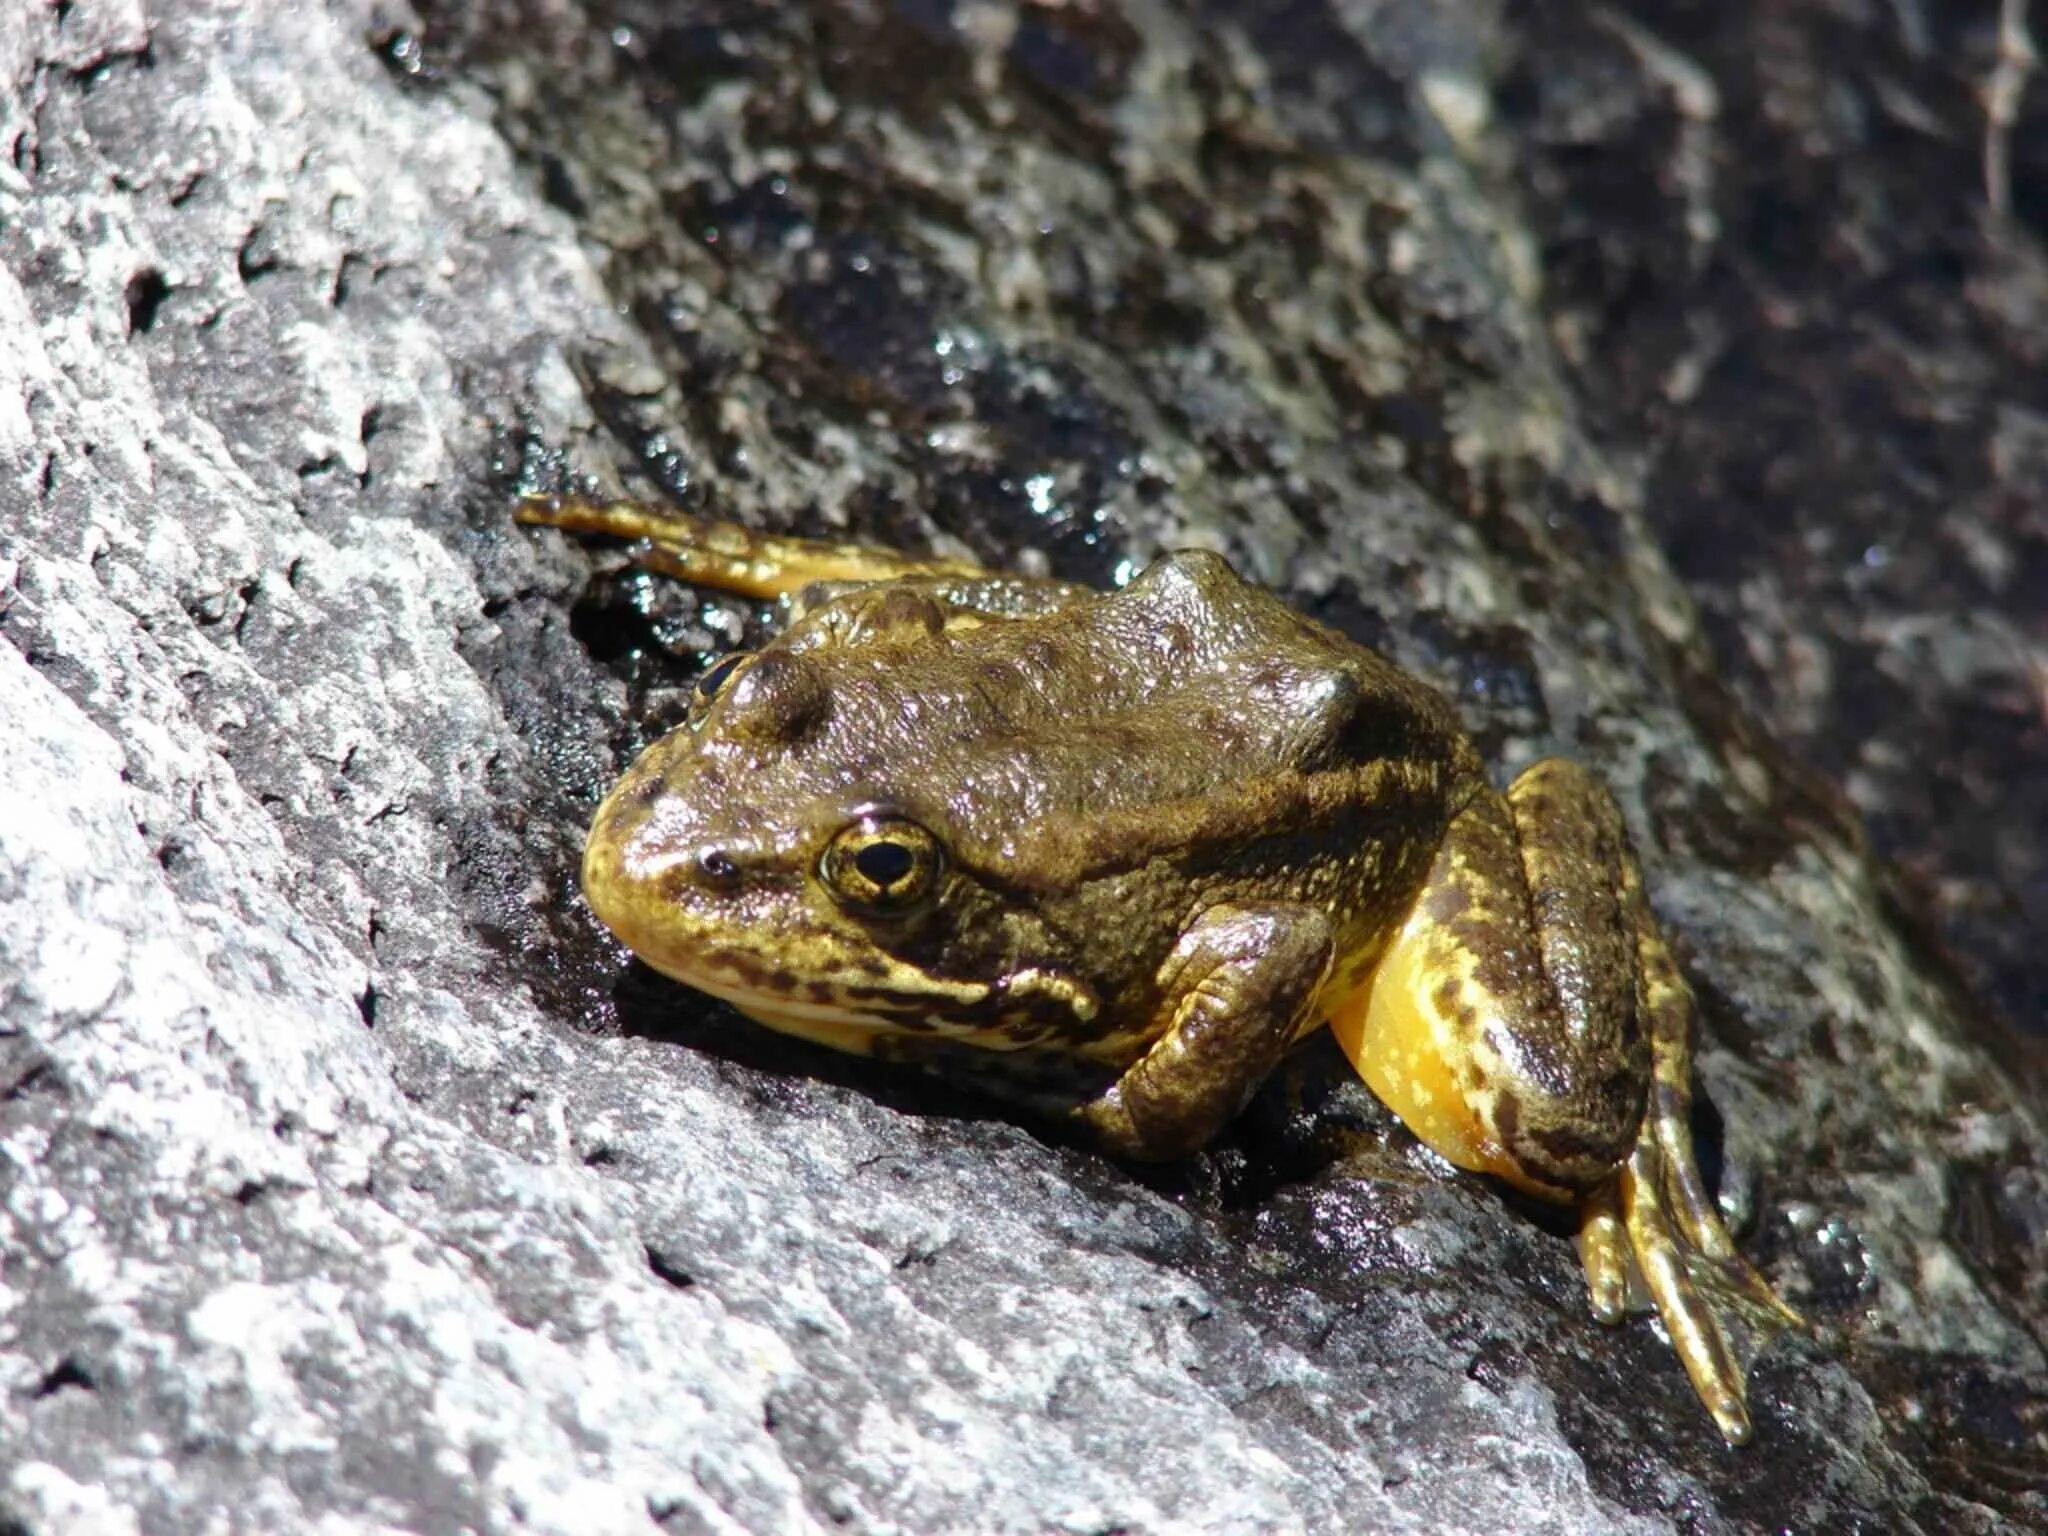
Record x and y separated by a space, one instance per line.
1192 718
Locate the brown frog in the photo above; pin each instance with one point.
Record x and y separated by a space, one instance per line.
1168 830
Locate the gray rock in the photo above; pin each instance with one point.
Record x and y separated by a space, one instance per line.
350 1180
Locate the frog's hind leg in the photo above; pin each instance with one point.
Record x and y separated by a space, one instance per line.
1528 1022
1659 1211
728 556
1500 1021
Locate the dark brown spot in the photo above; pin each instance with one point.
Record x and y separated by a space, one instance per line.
749 971
1475 1077
1448 901
1448 997
1507 1116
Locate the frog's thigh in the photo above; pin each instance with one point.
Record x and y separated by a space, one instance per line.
1500 1024
726 555
1237 989
1528 1022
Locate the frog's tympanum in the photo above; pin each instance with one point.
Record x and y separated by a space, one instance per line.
1168 830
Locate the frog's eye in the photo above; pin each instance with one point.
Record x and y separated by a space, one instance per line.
882 863
718 674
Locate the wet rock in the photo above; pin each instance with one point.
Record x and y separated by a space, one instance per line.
348 1174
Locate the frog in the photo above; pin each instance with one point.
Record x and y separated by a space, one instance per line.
1167 831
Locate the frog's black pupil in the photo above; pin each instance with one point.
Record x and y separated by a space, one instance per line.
884 863
709 684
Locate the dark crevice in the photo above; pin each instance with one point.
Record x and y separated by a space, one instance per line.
247 593
345 279
366 1006
256 258
146 293
668 1270
68 1372
372 424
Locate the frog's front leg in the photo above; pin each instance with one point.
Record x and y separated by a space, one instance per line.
729 556
1237 989
1528 1022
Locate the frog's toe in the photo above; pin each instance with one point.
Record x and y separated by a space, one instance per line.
1603 1251
1689 1206
1695 1330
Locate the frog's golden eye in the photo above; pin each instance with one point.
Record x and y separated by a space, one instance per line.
882 863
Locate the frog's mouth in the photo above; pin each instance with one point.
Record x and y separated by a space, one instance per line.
841 1027
819 1012
801 983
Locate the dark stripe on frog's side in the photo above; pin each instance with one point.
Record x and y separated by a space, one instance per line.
1216 830
1453 1003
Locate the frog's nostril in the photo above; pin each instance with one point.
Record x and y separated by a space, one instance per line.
717 867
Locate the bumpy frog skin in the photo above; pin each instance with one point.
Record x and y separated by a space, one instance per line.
1168 831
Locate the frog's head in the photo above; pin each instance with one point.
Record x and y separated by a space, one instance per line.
788 850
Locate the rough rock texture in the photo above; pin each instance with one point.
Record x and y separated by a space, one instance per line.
1832 357
349 1180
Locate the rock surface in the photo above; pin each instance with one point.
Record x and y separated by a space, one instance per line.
350 1181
